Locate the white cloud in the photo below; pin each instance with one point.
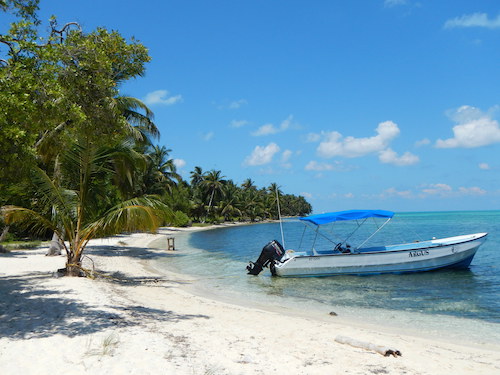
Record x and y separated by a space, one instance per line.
446 191
437 189
391 157
237 104
336 145
313 137
179 163
207 136
473 20
422 142
262 155
349 195
161 97
287 154
471 191
268 129
393 3
474 129
306 195
394 192
484 166
319 167
238 123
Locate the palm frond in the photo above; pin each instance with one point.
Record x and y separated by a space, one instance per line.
137 214
28 219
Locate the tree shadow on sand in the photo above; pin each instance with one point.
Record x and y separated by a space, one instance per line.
28 309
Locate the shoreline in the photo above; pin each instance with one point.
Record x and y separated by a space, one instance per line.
475 332
145 321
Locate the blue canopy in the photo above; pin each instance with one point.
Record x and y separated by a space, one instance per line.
330 217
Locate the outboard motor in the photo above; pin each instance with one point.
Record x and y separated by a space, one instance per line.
271 253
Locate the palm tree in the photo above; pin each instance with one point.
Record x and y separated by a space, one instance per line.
229 205
248 184
212 183
75 212
274 193
140 125
196 177
253 204
161 174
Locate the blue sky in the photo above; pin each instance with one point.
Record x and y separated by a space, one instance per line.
389 104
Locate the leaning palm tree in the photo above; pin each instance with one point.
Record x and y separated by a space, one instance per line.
75 212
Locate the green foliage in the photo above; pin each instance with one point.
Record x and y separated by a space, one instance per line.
77 157
181 219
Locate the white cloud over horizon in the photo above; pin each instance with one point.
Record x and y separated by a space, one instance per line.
161 97
268 129
389 156
473 20
319 167
262 155
238 123
438 190
475 129
334 144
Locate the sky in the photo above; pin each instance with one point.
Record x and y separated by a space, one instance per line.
380 104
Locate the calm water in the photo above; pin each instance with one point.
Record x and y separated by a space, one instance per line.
465 301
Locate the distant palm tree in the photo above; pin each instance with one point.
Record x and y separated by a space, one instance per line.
274 193
73 212
248 184
196 176
253 204
229 205
212 183
162 173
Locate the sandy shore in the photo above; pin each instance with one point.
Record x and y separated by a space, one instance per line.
143 322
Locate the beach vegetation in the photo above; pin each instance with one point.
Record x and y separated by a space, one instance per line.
72 138
79 159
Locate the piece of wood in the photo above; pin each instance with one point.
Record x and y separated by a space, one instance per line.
385 351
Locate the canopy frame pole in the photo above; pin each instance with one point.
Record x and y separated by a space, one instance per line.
301 238
281 220
373 234
355 230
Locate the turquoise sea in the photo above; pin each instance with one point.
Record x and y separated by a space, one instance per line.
461 304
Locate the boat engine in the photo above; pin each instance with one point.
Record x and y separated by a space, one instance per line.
271 253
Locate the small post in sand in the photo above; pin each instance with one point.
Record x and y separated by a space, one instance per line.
170 243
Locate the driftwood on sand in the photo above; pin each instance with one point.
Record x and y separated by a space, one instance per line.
385 351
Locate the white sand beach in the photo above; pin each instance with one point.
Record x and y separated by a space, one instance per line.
144 322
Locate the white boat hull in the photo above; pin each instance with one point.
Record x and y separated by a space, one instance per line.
452 252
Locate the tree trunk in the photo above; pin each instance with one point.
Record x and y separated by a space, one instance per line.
74 264
5 231
55 246
73 269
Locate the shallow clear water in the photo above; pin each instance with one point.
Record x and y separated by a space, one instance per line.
467 301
